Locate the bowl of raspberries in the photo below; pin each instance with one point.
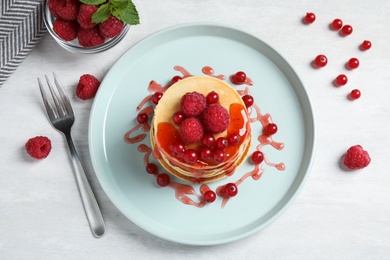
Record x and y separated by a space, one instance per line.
89 26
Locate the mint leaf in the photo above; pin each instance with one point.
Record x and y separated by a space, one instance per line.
127 15
93 2
102 13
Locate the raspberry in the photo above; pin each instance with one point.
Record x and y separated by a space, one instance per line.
356 158
193 104
90 37
66 30
38 147
84 18
53 7
191 130
87 87
111 27
215 118
68 9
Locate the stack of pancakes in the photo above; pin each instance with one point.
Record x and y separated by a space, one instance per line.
199 172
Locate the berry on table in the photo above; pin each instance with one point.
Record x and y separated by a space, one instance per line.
309 18
356 158
346 30
320 61
336 24
355 94
210 196
163 179
257 157
238 78
38 147
365 45
87 87
353 63
341 80
270 129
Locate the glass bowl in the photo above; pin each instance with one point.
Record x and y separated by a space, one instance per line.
74 46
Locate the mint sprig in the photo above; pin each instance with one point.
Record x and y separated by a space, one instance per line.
123 10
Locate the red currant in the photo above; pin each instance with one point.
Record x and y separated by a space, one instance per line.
230 190
142 118
239 77
163 179
212 97
309 18
210 196
365 45
234 139
190 155
151 168
219 156
336 24
177 148
353 63
320 61
222 143
270 129
208 140
206 153
346 30
257 157
156 97
175 79
178 117
248 100
341 80
355 94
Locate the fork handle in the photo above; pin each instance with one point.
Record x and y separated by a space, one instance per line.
92 211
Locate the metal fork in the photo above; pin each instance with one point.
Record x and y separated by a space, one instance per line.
61 116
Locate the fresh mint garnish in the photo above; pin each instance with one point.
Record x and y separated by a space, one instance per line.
123 10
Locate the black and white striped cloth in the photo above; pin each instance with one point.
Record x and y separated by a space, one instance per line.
21 27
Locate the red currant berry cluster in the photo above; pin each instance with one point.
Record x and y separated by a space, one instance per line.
352 64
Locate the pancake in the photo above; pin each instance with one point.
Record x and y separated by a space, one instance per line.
164 131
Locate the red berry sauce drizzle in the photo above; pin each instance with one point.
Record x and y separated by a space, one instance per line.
184 192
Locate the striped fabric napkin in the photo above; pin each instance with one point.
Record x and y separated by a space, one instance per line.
21 27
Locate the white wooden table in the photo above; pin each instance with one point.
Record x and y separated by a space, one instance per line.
338 215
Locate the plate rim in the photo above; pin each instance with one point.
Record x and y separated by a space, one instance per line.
312 138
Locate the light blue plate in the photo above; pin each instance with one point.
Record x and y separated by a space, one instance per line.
277 90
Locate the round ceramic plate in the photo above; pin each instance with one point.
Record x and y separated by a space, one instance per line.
277 90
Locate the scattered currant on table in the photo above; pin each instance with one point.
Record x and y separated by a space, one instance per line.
239 78
230 190
309 18
336 24
175 79
210 196
353 63
346 30
142 118
257 157
248 100
341 80
156 97
163 179
365 45
320 61
355 94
